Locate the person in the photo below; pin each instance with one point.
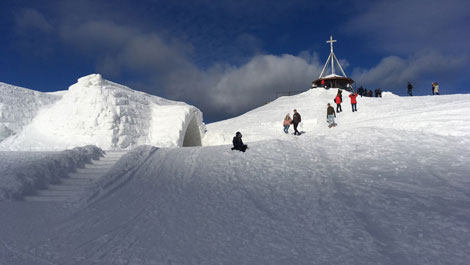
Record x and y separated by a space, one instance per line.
323 83
376 91
436 89
287 122
353 97
238 143
338 101
432 87
370 93
366 93
296 120
331 115
379 90
360 91
410 89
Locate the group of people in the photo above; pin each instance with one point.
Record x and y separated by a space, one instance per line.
295 121
364 92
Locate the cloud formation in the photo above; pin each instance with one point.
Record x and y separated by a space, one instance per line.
392 72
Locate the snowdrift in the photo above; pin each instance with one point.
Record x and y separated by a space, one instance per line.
98 112
18 106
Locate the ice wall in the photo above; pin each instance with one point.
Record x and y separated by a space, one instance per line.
111 116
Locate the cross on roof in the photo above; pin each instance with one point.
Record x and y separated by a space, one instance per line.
331 42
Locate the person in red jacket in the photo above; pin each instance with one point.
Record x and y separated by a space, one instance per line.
353 101
338 101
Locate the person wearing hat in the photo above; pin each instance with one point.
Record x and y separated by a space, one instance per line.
238 143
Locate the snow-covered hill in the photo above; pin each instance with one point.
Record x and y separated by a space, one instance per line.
390 185
111 116
443 115
18 106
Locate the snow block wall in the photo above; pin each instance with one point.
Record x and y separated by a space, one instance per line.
111 116
18 106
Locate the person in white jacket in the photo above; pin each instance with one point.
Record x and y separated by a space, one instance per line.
436 89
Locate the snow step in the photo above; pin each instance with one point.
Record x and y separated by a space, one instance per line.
84 175
47 193
97 170
48 199
104 162
76 181
65 187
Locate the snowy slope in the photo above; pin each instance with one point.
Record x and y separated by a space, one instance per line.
18 106
365 192
443 115
111 116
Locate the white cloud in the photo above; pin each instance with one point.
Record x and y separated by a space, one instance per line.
231 90
393 72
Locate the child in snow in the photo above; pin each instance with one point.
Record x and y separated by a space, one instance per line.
331 115
338 100
296 120
287 122
353 97
238 143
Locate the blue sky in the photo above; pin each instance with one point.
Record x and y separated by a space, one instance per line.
227 57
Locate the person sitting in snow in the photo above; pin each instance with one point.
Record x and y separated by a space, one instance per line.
296 120
331 115
238 143
287 122
353 97
338 100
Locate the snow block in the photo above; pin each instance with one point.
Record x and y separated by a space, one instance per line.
95 111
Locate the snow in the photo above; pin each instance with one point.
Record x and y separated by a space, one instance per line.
18 106
98 112
389 185
24 172
445 115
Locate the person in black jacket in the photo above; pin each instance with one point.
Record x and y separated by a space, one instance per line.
410 89
238 143
296 119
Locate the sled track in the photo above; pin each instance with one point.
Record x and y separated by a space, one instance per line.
72 185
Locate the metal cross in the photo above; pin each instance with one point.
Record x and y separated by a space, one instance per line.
331 42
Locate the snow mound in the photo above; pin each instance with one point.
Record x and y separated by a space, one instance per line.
18 106
445 115
98 112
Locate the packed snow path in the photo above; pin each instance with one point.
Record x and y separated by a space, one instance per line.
70 187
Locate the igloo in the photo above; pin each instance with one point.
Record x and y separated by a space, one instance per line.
95 111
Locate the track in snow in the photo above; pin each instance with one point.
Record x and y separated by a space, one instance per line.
75 183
